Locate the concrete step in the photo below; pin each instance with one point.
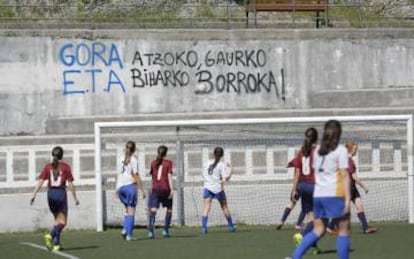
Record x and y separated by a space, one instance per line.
82 127
366 98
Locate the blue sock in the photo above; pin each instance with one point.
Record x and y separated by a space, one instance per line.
307 241
204 221
151 222
342 247
54 234
230 222
58 231
128 219
285 214
167 223
363 219
301 218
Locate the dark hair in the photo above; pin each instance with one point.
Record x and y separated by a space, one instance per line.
311 136
331 136
218 154
57 154
162 152
129 151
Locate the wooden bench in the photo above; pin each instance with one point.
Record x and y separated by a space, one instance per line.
293 6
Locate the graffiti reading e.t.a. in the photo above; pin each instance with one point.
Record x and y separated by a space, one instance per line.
82 58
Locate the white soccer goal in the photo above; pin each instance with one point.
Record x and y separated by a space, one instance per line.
258 149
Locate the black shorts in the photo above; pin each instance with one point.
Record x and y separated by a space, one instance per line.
156 199
354 193
57 200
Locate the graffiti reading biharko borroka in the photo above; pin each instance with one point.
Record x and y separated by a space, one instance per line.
232 71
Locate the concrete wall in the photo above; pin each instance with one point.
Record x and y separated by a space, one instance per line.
70 74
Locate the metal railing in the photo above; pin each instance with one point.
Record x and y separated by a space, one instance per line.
197 14
21 165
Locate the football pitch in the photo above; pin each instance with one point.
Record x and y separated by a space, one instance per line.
393 241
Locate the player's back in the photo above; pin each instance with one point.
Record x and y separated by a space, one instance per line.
159 173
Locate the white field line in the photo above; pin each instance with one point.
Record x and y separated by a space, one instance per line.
45 249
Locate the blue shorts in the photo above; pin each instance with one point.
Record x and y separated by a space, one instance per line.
57 199
128 195
207 194
306 196
156 198
329 207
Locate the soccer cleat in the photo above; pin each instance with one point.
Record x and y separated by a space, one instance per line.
370 230
48 241
204 231
165 233
298 227
123 234
332 232
56 248
288 257
232 229
315 250
130 238
297 238
279 227
151 235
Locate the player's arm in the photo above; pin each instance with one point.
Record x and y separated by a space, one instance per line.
294 193
36 190
359 182
140 185
230 172
170 183
71 187
346 182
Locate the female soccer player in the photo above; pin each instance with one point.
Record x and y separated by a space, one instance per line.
292 203
126 188
215 174
332 191
57 174
304 181
352 148
162 191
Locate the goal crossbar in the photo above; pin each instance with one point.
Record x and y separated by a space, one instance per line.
98 126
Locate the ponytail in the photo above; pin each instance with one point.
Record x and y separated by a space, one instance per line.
311 136
218 154
162 152
129 151
331 136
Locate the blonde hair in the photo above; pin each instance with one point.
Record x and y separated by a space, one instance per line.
351 145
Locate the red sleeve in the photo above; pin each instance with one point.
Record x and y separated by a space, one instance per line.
44 175
170 167
298 160
69 173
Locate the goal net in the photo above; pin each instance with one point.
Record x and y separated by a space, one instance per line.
258 150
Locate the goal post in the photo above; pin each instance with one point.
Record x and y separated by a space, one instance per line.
221 126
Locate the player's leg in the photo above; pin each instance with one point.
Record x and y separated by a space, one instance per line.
58 206
310 239
206 211
153 205
208 197
285 214
223 204
128 197
342 240
167 203
60 223
300 220
361 216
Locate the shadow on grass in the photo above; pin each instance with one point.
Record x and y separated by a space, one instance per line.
80 248
333 251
